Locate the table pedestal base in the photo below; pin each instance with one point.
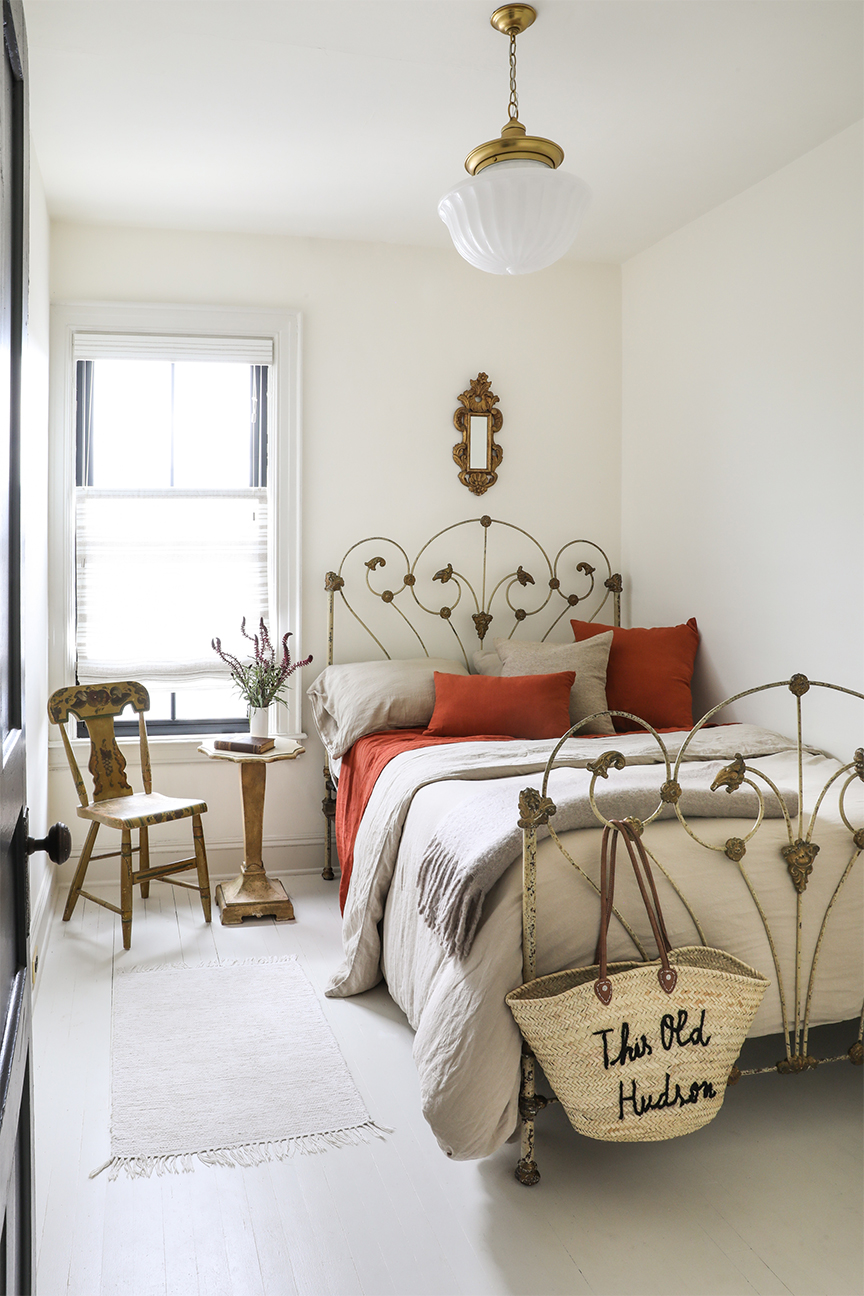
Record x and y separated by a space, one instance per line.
253 895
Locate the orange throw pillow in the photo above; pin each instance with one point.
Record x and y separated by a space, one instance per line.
521 706
649 672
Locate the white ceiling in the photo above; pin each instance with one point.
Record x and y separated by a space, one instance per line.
348 119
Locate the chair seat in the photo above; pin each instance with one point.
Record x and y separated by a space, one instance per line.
141 810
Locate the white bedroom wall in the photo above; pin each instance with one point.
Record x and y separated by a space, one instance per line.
34 544
743 451
391 336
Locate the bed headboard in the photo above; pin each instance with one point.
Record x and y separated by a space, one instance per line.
465 578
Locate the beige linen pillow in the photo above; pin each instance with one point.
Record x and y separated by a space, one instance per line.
360 698
588 694
488 663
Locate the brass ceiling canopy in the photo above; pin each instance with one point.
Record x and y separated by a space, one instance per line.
514 144
517 17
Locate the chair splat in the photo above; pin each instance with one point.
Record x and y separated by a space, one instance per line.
107 762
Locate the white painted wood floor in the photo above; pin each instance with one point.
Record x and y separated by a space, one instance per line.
767 1199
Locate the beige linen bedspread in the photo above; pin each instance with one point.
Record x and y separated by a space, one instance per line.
467 1045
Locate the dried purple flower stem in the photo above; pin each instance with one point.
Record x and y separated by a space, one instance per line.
260 681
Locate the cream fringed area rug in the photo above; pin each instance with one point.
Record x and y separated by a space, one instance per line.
230 1064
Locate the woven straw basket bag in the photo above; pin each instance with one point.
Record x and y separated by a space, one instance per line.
639 1051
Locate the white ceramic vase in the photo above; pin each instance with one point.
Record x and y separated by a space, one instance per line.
259 722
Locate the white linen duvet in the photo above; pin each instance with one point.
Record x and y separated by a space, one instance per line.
467 1045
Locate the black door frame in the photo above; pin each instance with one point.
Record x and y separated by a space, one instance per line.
16 1080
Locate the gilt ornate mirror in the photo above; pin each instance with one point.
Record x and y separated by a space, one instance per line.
478 455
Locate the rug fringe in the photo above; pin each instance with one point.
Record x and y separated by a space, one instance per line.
197 967
246 1154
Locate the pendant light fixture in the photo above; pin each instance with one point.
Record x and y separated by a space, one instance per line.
517 213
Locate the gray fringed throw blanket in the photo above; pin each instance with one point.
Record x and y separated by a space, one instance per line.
476 842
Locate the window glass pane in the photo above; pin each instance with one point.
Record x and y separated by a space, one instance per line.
131 436
160 704
206 704
153 428
212 425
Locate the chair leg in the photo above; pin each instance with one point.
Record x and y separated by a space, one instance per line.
201 863
126 887
78 880
144 858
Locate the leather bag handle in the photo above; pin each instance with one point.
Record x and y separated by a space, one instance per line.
666 975
607 889
610 893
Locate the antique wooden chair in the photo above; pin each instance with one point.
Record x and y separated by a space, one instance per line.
116 805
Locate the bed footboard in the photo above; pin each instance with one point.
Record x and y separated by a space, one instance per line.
796 992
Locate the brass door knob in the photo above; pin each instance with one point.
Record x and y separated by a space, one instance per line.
57 843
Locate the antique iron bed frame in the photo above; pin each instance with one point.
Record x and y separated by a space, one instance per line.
492 589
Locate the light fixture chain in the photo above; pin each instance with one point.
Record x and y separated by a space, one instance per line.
513 106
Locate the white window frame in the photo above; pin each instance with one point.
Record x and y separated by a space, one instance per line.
283 477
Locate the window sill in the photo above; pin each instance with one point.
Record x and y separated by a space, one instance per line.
165 749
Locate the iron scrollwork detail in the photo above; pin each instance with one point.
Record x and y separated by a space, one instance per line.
514 594
534 809
482 622
608 760
799 857
731 776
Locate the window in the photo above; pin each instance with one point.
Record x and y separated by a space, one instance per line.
170 520
181 476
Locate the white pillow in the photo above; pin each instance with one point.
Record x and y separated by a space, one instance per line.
360 698
588 694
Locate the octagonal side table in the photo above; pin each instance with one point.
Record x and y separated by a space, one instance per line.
252 894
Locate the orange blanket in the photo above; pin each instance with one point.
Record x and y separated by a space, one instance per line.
360 768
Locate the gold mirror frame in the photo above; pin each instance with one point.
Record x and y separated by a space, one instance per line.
478 402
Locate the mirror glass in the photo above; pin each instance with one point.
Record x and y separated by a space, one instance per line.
478 442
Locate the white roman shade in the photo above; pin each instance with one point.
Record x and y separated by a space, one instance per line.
165 346
161 573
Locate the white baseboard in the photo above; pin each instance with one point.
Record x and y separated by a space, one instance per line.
281 855
41 912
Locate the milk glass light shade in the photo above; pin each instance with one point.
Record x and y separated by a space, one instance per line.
515 217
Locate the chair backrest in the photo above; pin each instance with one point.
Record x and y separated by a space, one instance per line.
97 705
